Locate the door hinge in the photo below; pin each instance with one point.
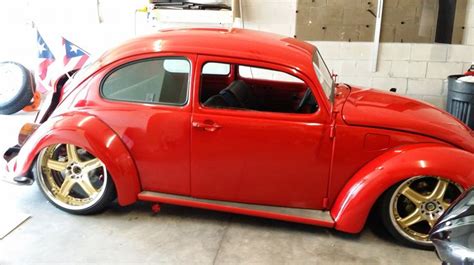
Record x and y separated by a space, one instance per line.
332 130
325 202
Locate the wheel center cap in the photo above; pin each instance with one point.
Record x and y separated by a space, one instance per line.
76 170
430 206
431 210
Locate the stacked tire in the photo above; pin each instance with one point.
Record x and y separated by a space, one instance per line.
16 87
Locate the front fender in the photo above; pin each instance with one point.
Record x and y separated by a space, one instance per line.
92 134
356 199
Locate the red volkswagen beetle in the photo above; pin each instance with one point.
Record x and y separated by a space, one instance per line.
243 122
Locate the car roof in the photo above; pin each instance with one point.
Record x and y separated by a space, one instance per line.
239 43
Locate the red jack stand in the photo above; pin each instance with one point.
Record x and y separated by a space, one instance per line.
155 208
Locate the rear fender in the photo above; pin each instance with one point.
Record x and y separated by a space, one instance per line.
90 133
356 199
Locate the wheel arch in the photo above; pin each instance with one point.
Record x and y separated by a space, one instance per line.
355 201
92 134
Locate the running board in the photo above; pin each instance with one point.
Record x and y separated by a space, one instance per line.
307 216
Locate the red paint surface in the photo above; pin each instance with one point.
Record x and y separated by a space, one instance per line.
387 110
243 161
93 135
362 190
342 158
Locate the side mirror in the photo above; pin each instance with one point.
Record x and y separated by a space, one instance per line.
453 234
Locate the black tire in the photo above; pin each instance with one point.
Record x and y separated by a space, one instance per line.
384 211
410 208
24 92
99 207
108 195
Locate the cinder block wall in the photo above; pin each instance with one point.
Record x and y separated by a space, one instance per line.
416 70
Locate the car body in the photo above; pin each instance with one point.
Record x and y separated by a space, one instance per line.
245 122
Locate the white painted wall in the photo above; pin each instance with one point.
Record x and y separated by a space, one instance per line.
77 21
278 16
469 30
417 70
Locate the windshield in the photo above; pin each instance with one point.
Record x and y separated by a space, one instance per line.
323 74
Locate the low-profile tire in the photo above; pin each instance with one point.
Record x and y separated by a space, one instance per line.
410 208
16 87
73 179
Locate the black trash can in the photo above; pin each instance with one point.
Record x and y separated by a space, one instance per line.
461 99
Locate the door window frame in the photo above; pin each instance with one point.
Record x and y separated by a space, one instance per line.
321 115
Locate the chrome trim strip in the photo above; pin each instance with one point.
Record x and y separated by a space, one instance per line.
304 213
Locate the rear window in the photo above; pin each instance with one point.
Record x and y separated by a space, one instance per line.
158 80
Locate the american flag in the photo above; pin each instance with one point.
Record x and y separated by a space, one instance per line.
75 57
46 58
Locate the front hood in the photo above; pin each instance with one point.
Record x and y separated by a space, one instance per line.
369 107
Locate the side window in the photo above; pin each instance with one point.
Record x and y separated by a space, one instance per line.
266 74
158 80
255 89
216 69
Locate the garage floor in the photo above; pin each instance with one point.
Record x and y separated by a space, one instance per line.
177 235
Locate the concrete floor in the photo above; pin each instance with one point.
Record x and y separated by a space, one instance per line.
178 235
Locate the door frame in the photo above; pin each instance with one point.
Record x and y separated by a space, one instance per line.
322 115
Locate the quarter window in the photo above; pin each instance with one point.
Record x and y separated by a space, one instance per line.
160 80
216 69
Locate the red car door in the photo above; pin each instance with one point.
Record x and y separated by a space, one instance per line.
258 157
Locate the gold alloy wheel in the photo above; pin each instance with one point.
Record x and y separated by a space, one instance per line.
70 176
417 204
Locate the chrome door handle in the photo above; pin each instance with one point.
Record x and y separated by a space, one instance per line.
209 126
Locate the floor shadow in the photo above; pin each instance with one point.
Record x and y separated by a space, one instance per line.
375 225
